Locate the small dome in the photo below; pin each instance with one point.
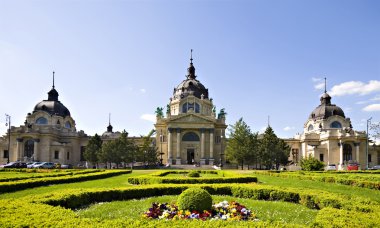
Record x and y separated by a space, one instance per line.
52 105
326 109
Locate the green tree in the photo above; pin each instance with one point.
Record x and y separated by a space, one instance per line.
241 145
311 164
93 149
148 152
273 151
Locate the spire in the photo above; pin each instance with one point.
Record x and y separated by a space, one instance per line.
325 85
109 128
326 99
191 69
53 94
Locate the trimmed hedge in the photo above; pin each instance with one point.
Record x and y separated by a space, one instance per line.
24 184
352 180
41 210
223 177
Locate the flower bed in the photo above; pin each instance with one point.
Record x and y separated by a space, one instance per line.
223 210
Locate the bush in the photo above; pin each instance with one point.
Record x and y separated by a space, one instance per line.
311 164
194 174
195 199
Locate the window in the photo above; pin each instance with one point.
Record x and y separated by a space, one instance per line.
41 120
82 150
190 137
369 158
56 154
321 157
187 106
295 155
6 154
310 128
68 155
347 152
336 124
217 139
67 124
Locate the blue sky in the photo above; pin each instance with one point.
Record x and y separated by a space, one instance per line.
257 58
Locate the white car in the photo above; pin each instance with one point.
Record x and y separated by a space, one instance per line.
330 167
29 166
45 165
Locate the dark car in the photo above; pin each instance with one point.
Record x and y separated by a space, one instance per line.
15 165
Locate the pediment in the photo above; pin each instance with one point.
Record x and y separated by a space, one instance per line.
191 118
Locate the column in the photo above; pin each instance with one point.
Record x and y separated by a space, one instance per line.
178 159
340 144
18 149
170 156
211 160
35 155
203 160
357 146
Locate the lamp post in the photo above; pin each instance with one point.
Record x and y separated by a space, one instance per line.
366 154
221 152
8 123
161 153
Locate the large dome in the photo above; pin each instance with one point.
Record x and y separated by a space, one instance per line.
52 105
326 109
190 86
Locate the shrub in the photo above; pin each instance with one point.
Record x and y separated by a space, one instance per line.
194 174
195 199
311 164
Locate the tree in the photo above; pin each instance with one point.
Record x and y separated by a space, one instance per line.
274 151
148 151
242 143
93 149
311 164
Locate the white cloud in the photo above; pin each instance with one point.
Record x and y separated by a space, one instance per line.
355 87
319 86
376 98
148 117
362 102
143 90
316 79
372 108
287 128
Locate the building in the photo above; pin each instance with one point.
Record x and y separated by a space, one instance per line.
191 132
328 135
48 134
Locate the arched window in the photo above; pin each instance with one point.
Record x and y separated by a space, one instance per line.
29 148
67 124
347 152
41 120
187 106
336 124
310 128
190 137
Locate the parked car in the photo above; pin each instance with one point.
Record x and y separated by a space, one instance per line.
15 165
31 165
353 166
375 167
45 165
331 167
66 166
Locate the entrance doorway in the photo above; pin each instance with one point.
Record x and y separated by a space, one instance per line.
29 148
190 156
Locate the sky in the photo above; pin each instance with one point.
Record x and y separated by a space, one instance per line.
257 58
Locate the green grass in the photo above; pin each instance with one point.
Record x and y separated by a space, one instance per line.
264 210
309 184
117 181
183 175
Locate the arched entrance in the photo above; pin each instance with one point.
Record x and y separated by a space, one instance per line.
29 148
190 137
347 152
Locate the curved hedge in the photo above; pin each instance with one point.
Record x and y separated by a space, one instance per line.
24 184
37 211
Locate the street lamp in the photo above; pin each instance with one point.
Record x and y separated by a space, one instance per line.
161 153
366 154
8 123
